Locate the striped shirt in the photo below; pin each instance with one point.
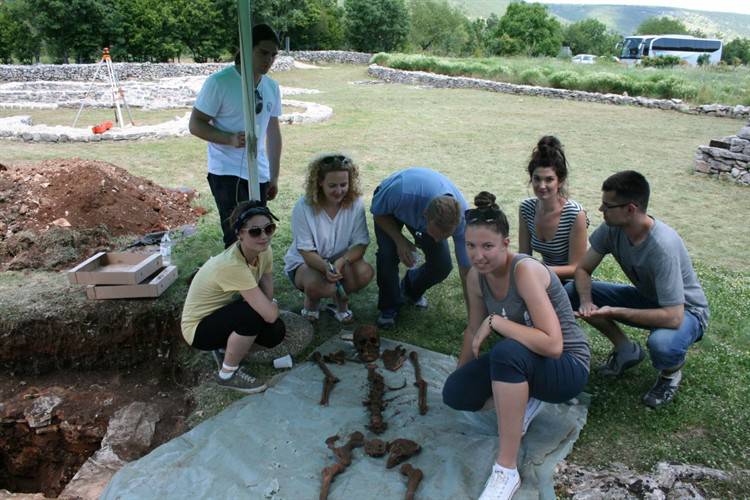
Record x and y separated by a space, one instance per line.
554 252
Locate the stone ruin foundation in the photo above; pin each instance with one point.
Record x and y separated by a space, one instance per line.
728 158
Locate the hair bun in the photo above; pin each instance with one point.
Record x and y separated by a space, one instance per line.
549 141
485 199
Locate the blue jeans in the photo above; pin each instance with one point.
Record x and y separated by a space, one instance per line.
551 380
228 192
666 346
437 266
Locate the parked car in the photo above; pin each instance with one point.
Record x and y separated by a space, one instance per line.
584 59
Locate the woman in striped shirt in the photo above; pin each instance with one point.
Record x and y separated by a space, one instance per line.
551 224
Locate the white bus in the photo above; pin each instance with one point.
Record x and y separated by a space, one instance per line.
687 48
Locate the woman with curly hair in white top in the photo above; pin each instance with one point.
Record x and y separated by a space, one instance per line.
330 236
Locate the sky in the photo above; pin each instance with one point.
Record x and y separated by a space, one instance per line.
739 6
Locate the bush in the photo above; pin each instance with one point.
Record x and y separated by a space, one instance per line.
532 76
661 61
671 86
565 80
606 82
704 60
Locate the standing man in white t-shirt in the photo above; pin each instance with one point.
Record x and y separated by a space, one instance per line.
218 118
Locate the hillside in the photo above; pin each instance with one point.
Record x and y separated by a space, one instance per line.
626 18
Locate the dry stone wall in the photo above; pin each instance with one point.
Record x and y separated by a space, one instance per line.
728 158
441 81
124 71
149 71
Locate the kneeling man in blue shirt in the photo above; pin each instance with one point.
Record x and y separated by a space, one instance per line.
432 209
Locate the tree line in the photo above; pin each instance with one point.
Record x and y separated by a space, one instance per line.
206 30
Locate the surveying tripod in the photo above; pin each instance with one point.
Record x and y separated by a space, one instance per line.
118 94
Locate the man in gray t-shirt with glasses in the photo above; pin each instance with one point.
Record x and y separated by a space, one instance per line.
665 298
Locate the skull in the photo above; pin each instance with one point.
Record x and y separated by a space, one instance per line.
367 343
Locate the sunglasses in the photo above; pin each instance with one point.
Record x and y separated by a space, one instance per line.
474 215
333 159
258 102
255 232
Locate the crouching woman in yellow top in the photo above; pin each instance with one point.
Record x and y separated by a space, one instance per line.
215 319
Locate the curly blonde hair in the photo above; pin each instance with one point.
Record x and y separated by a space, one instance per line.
322 165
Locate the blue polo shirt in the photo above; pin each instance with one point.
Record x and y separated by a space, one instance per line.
406 194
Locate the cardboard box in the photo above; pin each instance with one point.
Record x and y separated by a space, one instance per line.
152 286
115 268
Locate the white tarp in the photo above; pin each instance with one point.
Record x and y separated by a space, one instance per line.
272 445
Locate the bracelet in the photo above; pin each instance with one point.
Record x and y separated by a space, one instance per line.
492 317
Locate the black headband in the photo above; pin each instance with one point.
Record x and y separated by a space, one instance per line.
250 212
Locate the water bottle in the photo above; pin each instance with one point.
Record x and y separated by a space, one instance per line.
165 249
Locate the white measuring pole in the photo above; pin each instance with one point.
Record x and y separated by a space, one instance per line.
113 87
244 10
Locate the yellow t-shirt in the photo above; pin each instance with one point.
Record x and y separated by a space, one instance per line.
217 282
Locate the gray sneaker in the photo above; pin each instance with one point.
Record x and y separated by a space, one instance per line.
533 407
387 319
218 355
663 390
619 361
242 382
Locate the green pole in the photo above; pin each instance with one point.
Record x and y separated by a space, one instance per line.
244 9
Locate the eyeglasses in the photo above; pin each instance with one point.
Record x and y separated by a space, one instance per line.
255 232
258 102
608 206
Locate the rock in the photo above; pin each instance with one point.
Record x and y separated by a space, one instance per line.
667 481
744 133
131 430
61 222
299 334
40 413
702 166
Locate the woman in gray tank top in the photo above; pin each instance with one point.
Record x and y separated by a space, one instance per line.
542 353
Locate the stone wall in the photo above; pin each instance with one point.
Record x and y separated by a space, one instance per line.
728 158
123 71
441 81
149 71
330 56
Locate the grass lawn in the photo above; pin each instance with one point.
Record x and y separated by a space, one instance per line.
482 141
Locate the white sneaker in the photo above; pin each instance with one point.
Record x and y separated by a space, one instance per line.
533 407
501 485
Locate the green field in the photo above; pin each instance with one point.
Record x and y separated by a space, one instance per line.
482 140
728 85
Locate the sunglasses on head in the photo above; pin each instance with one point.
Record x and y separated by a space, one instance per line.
333 159
482 215
258 102
255 232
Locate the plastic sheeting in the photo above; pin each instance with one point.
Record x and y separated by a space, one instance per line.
272 445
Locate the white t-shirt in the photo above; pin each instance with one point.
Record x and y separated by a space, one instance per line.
330 238
221 98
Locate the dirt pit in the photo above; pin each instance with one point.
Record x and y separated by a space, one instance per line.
50 425
58 212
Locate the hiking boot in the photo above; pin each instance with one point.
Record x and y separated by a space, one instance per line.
218 355
501 485
387 319
663 390
533 407
619 361
242 382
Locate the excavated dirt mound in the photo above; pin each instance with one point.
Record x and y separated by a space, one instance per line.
57 212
